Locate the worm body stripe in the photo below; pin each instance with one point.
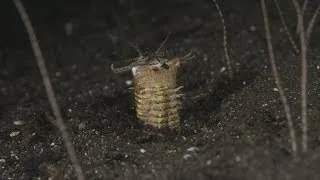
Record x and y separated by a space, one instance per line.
157 94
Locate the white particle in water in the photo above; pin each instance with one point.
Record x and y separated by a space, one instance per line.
252 28
143 151
14 133
205 57
14 155
192 149
19 123
238 159
68 28
223 69
186 156
128 82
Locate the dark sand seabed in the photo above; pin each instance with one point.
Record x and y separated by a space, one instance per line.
231 128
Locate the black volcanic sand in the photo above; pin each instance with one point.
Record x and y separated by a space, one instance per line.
231 128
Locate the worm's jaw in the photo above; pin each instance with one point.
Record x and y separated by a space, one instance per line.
154 65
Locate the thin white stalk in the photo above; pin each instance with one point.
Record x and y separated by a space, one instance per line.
276 76
225 41
304 75
49 90
283 21
311 24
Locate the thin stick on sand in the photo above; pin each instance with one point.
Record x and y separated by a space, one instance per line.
225 42
276 76
311 24
286 27
49 90
303 48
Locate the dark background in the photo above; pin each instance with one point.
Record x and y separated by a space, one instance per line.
231 128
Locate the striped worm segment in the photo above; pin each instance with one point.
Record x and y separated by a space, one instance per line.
157 94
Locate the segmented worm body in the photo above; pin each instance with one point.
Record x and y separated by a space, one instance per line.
157 94
157 101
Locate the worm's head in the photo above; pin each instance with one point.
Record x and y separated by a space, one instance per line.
155 60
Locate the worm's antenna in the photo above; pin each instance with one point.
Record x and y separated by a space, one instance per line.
188 56
136 47
163 43
122 69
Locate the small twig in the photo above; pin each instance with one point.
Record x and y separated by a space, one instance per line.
311 24
225 42
286 27
277 80
49 90
304 73
304 7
